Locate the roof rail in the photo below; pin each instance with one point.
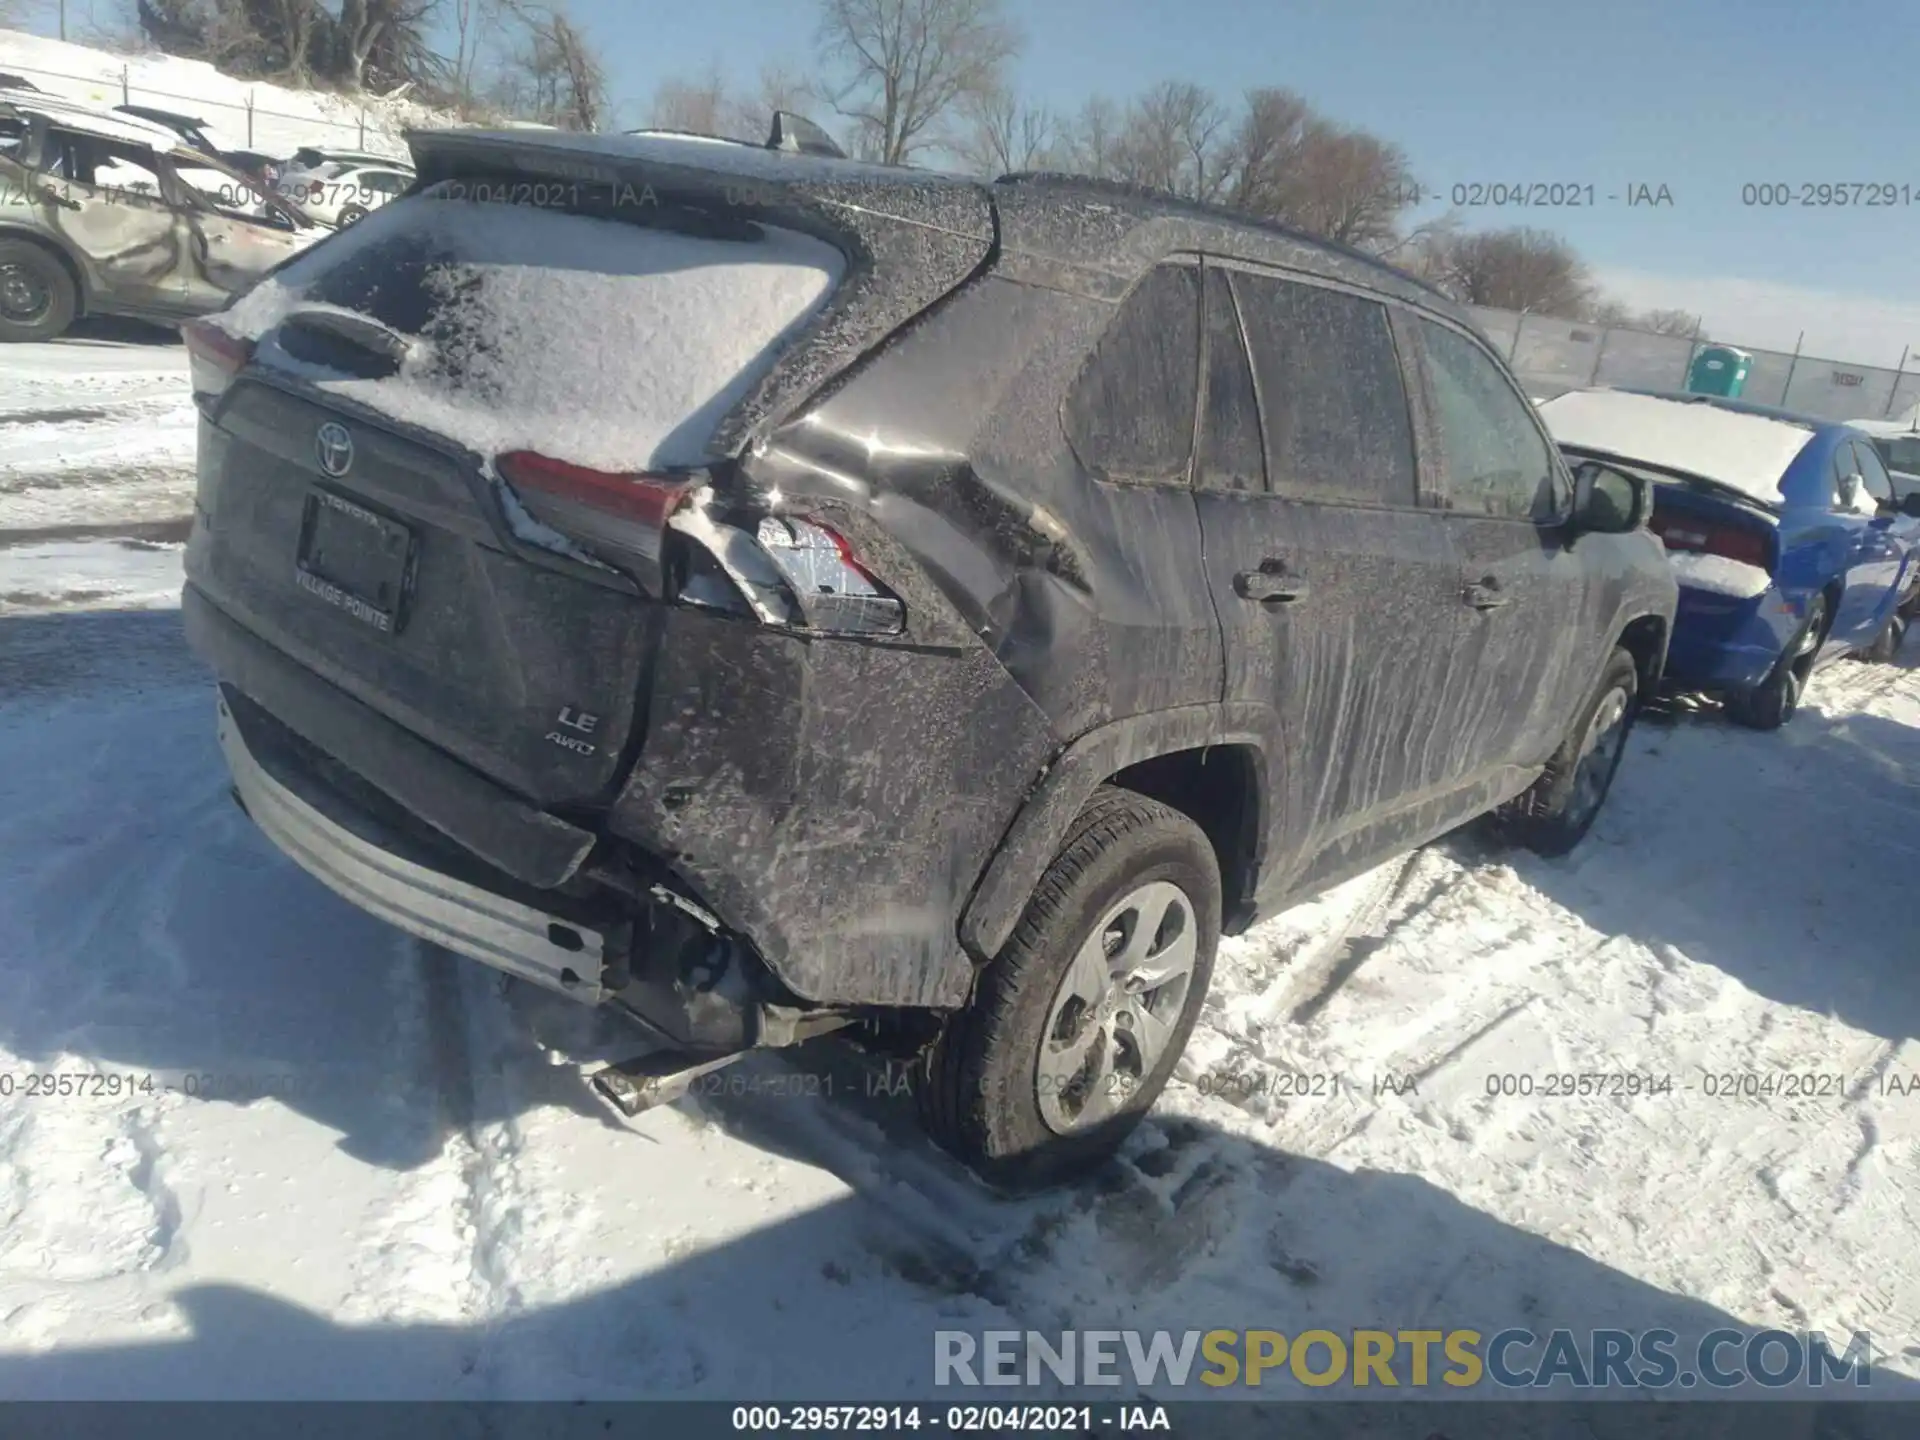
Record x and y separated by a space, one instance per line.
1170 203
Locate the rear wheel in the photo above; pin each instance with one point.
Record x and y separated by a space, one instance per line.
37 296
1077 1024
352 215
1772 702
1556 813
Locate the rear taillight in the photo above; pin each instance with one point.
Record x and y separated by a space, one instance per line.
1701 537
214 356
621 518
784 570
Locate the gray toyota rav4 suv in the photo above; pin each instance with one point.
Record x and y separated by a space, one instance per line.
766 594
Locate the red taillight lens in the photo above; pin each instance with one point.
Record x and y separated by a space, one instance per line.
620 518
1741 545
1701 537
642 499
214 356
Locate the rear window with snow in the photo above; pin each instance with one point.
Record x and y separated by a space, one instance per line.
600 341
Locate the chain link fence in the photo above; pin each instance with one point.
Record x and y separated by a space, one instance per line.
356 126
1551 356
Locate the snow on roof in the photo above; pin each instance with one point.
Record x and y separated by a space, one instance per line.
605 344
1748 452
748 161
107 124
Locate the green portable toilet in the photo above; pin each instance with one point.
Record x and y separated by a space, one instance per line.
1718 370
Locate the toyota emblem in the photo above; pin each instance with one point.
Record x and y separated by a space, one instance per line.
334 446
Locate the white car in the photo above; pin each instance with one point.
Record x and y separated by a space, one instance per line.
340 192
1898 442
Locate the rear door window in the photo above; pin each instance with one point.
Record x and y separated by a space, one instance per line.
1496 460
1850 495
1129 414
1873 474
1332 403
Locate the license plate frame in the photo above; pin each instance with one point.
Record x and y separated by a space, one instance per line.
357 560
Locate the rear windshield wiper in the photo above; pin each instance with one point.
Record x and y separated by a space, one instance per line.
356 344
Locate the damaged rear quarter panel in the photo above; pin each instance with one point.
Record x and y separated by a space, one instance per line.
834 800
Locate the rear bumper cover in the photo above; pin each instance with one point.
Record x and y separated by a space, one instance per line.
349 855
1723 642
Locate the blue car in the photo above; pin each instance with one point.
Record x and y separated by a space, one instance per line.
1784 532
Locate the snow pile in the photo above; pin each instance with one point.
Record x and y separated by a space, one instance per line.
605 344
1718 574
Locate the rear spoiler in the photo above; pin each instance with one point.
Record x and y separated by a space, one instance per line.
910 237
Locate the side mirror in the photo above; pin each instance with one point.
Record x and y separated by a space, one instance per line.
1910 504
1607 501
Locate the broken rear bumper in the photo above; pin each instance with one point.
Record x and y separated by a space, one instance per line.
387 876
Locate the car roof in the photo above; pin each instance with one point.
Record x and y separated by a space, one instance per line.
108 124
1125 209
164 117
1750 447
1887 429
355 157
1148 204
1741 407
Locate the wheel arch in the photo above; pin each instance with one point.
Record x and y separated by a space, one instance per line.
1645 638
1194 759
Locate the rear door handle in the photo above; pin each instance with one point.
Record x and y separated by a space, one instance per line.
1270 585
1485 594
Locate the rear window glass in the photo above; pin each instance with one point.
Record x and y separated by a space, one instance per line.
598 341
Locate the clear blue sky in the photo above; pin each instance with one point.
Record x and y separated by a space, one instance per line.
1702 96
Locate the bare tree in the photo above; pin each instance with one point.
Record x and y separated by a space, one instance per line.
1517 269
1173 140
1352 186
1090 140
554 75
780 88
905 65
1425 250
1263 154
385 43
1005 136
702 106
1668 322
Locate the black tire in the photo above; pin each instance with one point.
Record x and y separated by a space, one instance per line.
1776 699
1559 808
1885 649
981 1079
37 295
351 215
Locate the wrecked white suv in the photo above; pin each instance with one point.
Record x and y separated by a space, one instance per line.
107 214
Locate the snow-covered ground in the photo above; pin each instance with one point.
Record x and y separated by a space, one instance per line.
96 434
283 119
367 1168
